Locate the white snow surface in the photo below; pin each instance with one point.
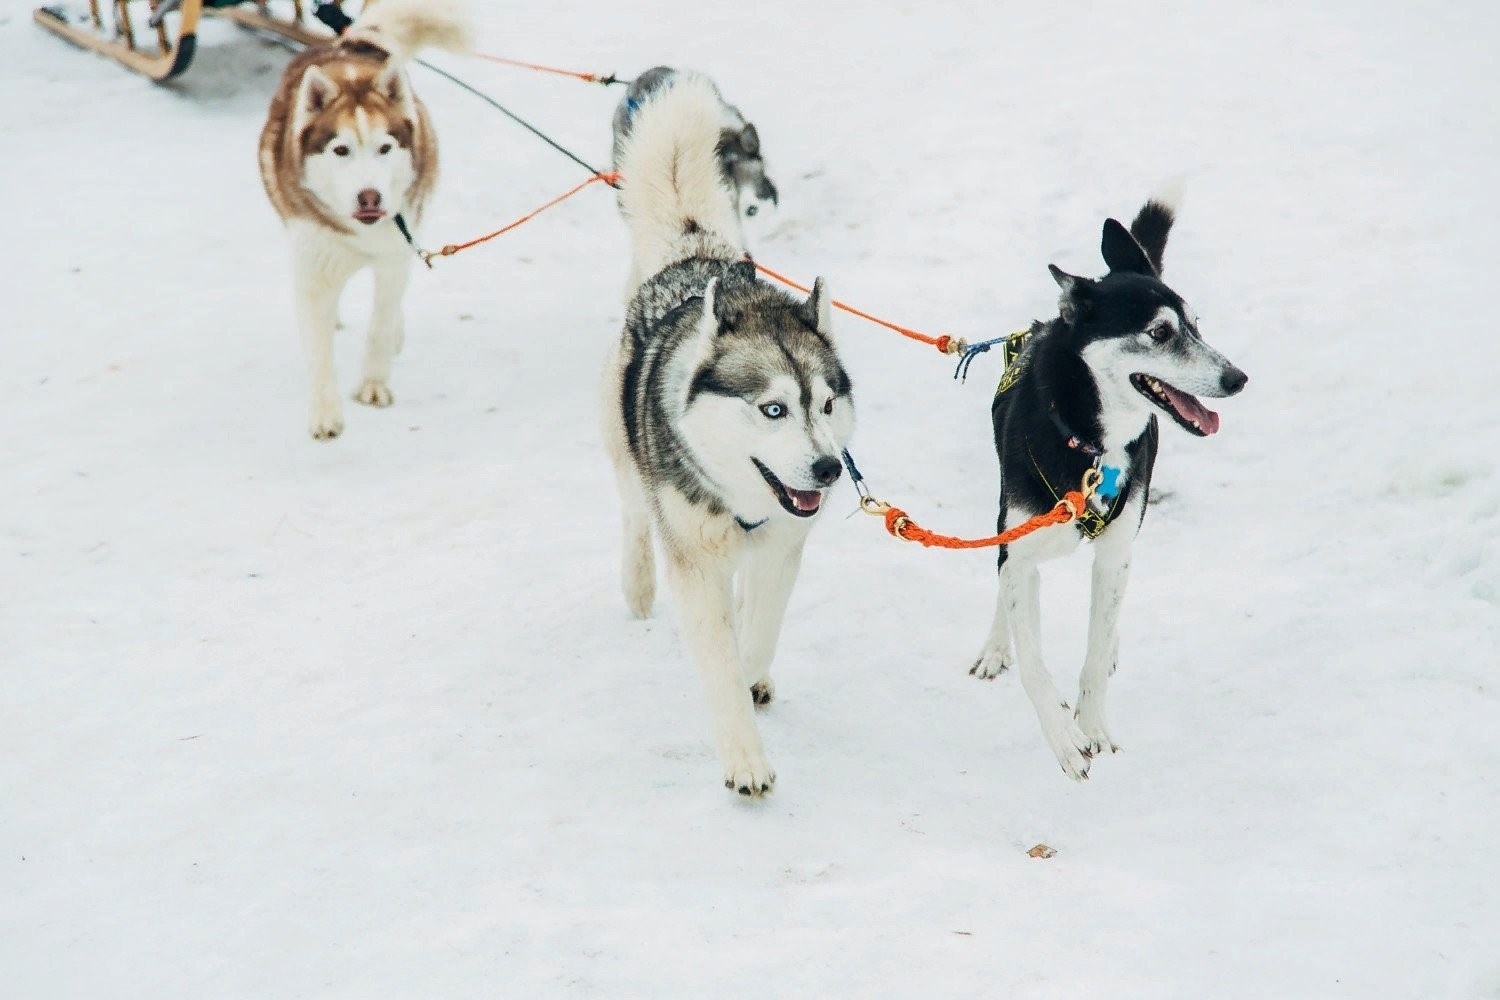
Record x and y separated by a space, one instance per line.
285 718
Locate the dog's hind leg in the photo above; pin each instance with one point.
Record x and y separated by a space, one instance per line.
387 331
766 580
1110 574
1020 590
638 561
995 658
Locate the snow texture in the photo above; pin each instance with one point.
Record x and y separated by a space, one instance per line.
283 718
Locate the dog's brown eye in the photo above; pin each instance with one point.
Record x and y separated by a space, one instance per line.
828 406
340 150
386 148
1160 332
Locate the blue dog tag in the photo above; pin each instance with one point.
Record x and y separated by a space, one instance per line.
1109 482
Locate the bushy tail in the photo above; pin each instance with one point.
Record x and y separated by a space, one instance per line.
673 194
406 27
1154 222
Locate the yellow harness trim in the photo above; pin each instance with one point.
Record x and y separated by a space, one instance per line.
1013 346
1090 522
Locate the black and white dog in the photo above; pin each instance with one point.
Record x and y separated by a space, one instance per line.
1084 395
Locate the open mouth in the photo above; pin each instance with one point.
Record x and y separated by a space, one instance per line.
369 216
798 503
1191 415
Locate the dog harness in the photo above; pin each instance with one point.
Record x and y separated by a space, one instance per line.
1092 522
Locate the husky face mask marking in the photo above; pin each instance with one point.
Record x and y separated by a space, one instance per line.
768 408
356 137
1141 341
739 153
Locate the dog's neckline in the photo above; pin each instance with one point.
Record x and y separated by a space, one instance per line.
749 527
1073 440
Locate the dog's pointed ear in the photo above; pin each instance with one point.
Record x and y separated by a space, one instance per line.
391 83
750 140
725 313
316 91
1077 293
817 311
1122 252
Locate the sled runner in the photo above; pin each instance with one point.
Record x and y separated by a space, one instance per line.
162 44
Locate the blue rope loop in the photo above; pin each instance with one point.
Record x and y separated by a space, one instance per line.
961 373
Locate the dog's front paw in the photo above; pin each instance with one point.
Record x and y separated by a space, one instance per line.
1090 719
326 420
763 692
991 664
1068 742
749 773
373 392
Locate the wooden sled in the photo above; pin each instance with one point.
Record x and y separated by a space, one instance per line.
175 34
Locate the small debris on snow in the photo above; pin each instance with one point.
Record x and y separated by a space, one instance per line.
1040 851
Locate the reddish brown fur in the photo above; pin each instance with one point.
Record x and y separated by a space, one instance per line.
354 67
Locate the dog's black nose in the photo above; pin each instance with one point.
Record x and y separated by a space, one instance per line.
368 199
1233 380
826 470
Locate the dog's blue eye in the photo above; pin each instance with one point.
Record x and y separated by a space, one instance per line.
774 410
752 210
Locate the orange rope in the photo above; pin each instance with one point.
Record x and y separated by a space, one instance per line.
1068 508
585 77
944 343
453 248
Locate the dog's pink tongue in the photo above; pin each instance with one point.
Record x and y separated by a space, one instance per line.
1194 412
807 500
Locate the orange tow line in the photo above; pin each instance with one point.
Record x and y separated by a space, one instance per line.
899 523
944 343
607 79
612 178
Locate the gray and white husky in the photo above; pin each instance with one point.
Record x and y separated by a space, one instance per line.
740 159
726 409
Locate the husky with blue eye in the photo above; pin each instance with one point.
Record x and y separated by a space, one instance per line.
1085 394
725 408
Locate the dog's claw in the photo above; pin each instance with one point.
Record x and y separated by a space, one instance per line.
989 666
763 692
373 392
750 775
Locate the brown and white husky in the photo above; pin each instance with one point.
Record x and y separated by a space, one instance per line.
349 159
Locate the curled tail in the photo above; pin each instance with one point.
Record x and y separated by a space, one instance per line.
1154 221
405 27
673 194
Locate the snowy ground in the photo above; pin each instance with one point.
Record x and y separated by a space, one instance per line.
367 719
